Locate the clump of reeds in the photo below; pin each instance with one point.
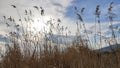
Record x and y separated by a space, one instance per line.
38 51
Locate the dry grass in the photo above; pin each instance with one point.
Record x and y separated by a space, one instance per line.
71 57
30 52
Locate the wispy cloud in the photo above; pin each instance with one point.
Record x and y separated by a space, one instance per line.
53 9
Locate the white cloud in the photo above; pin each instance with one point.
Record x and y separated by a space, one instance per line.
50 6
53 9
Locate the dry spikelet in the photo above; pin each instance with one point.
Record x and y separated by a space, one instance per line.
75 7
42 11
17 25
13 6
79 17
10 18
26 12
19 19
82 10
36 7
110 7
97 11
58 20
4 17
30 12
8 25
41 8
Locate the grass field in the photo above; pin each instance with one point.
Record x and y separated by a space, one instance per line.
29 50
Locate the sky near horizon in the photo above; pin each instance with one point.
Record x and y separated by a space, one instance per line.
64 9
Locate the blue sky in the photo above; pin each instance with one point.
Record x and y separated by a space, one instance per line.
89 17
90 6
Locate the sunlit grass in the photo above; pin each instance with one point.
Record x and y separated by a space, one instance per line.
31 46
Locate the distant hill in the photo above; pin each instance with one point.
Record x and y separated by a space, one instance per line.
4 39
62 39
109 48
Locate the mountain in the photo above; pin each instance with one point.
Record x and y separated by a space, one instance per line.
61 39
4 39
109 48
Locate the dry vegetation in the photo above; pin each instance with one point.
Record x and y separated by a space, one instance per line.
71 57
30 52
